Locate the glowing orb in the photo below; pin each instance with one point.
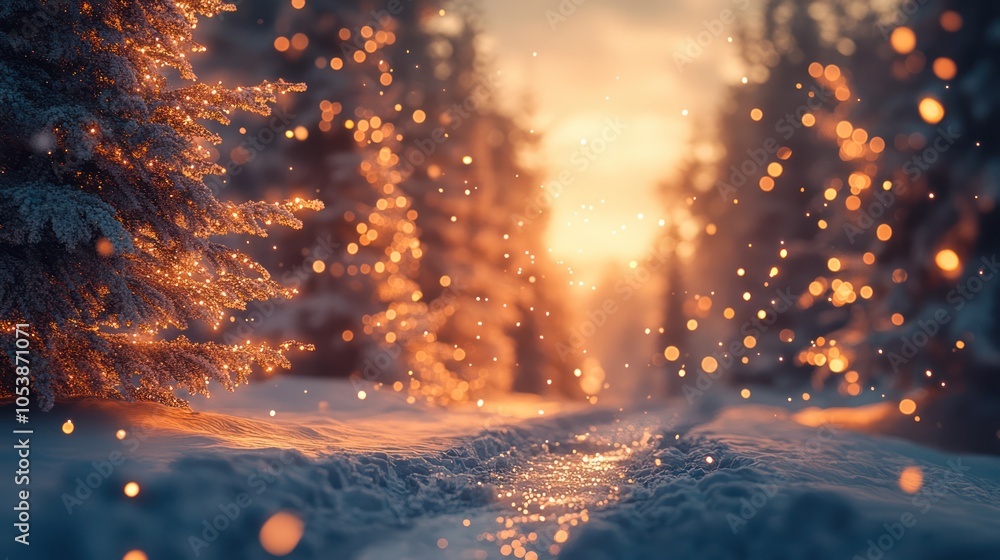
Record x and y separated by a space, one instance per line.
281 533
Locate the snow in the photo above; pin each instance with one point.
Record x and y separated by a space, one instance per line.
776 489
378 479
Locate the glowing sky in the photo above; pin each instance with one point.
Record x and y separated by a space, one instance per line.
610 60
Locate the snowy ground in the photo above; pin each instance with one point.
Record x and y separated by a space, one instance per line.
380 479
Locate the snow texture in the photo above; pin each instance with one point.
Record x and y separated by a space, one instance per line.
378 479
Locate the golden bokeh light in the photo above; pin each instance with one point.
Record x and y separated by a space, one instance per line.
672 353
104 247
907 406
281 533
300 41
951 21
947 260
903 40
884 232
709 364
931 110
945 68
911 480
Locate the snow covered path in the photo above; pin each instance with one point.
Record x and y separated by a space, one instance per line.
775 489
749 484
668 482
540 501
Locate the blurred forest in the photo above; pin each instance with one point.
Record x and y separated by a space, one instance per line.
423 273
836 233
847 218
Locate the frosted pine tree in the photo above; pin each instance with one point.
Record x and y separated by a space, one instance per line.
106 225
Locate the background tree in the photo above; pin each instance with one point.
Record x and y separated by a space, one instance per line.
936 312
873 207
108 229
411 81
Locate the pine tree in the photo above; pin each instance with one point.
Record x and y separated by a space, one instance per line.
944 185
471 189
791 295
388 75
313 151
883 207
107 224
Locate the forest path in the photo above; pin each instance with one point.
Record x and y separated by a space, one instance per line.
721 480
541 500
737 483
